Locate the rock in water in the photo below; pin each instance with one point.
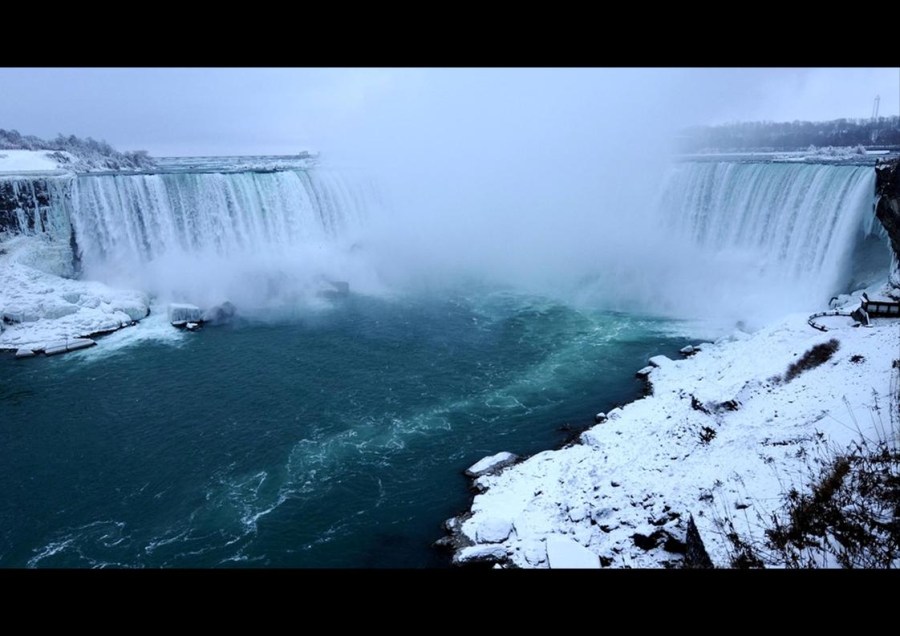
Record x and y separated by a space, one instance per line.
341 287
334 289
563 552
183 312
599 418
220 314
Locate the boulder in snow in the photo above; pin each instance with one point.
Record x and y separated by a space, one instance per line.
14 314
135 306
493 530
599 418
563 552
479 554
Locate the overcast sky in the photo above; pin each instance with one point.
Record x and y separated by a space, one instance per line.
275 111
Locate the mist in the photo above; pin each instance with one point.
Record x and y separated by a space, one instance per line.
534 178
546 180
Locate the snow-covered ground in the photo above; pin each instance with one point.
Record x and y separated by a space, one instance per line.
29 161
37 306
828 154
718 440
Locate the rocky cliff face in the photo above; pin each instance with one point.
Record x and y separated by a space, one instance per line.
887 209
35 206
35 227
23 204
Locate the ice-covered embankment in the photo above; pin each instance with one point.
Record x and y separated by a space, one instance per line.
42 304
719 441
38 308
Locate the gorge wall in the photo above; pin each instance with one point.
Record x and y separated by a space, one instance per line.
887 210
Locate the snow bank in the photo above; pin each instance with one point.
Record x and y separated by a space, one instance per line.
27 161
563 552
719 439
39 308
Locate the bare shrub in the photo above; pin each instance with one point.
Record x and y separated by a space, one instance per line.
817 355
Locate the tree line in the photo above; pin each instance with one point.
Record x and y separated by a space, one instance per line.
881 132
89 153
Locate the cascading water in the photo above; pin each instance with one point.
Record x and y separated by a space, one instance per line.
790 228
205 236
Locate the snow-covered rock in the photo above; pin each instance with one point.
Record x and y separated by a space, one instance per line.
660 361
478 553
599 418
494 531
645 372
184 312
491 464
563 552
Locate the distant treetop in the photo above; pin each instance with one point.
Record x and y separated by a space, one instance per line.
767 136
90 154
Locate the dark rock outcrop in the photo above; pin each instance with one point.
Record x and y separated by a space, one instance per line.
887 210
220 314
24 205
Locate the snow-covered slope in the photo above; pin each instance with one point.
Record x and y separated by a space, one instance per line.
22 162
718 440
38 306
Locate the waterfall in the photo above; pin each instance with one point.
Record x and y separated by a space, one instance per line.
206 236
133 219
739 235
797 226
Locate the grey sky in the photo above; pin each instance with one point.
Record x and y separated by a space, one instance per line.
262 111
